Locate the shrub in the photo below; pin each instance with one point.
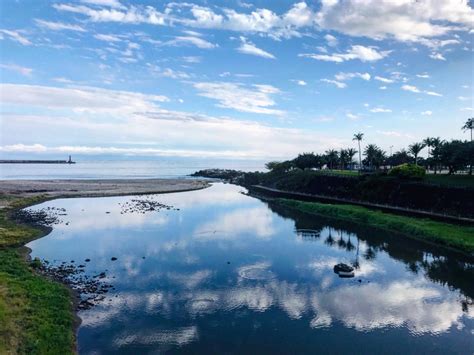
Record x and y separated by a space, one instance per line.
408 171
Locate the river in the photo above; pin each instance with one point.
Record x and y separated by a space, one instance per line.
223 272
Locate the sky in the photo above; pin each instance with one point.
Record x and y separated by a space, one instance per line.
231 79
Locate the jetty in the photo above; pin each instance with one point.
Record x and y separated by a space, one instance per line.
39 161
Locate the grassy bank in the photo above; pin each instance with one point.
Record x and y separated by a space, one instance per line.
36 314
458 237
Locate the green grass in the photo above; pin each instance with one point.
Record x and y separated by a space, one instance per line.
451 180
36 314
455 236
339 172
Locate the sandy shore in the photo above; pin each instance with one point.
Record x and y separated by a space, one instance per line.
94 188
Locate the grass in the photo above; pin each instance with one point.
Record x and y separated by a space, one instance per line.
36 314
339 172
451 180
454 236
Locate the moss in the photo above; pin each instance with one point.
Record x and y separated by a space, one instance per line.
455 236
36 314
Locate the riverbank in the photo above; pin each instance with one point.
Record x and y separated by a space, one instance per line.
418 195
454 236
12 189
37 315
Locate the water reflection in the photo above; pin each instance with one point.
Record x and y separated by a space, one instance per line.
228 275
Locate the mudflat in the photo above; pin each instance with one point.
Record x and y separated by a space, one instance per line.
95 188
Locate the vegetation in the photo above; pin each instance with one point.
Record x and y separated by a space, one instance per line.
455 236
408 171
454 156
36 314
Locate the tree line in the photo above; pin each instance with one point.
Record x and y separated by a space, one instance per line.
454 156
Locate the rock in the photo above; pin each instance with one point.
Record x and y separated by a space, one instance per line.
113 258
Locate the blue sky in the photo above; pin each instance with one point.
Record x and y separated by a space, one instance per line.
252 80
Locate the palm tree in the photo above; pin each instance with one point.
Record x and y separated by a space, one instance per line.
429 143
332 156
469 125
374 156
415 149
350 152
358 137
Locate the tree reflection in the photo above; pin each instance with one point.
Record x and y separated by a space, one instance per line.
438 264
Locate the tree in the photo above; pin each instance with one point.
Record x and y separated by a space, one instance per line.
374 156
469 125
343 159
358 137
456 154
434 144
350 152
306 161
279 167
399 158
331 157
415 149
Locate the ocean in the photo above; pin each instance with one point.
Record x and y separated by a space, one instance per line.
122 169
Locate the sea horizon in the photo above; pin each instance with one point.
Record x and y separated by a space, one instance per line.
122 168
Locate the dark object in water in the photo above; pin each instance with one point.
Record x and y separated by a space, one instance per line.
344 270
113 258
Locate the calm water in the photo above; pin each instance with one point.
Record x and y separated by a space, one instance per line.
228 273
120 169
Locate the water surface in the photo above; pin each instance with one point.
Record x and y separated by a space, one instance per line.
228 273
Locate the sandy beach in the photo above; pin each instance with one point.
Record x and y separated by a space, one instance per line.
94 188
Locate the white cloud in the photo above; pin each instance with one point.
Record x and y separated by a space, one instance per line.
59 26
418 91
79 98
301 82
17 68
254 99
427 113
423 76
331 40
383 88
411 88
352 116
432 93
190 41
339 84
110 3
405 20
107 37
437 56
192 59
258 21
110 116
16 36
168 73
402 20
249 48
347 76
464 98
384 80
362 53
380 110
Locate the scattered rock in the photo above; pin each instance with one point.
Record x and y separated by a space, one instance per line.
90 289
143 205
